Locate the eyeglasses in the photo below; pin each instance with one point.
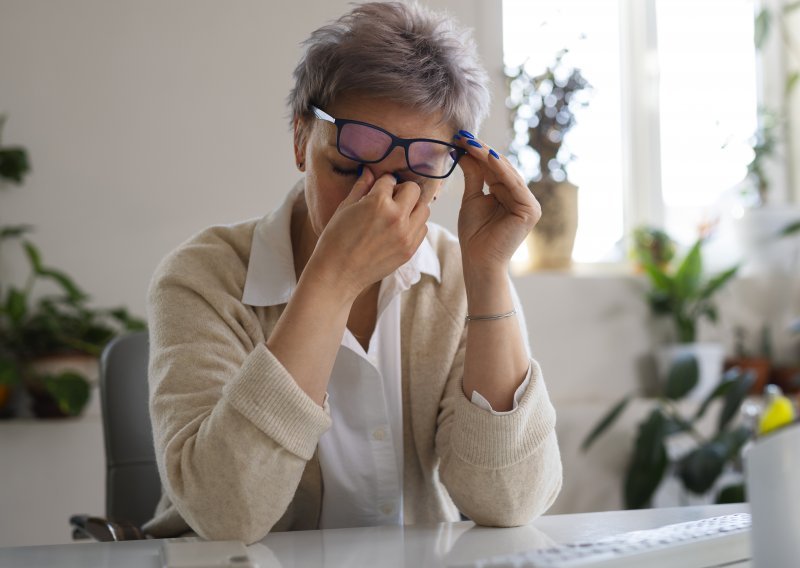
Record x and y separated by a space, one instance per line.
368 144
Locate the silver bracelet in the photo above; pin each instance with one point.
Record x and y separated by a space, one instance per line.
491 317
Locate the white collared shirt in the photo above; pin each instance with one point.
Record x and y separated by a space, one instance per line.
361 456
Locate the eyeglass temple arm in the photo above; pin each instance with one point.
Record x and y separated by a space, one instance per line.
323 115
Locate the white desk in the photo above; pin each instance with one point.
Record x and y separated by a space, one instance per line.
417 546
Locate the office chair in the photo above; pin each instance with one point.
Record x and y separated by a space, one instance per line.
133 487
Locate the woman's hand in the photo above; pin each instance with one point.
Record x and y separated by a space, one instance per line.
492 226
376 229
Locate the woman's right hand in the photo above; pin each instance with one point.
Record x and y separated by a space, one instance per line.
376 229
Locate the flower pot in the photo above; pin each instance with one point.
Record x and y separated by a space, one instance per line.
5 401
710 359
763 252
553 238
788 378
761 367
43 403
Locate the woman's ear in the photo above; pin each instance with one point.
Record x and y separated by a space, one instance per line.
300 127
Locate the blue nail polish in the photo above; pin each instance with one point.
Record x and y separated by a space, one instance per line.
397 177
473 143
493 153
360 169
456 137
466 134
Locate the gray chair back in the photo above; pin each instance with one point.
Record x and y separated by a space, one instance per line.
133 486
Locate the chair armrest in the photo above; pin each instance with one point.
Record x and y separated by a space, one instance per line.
103 530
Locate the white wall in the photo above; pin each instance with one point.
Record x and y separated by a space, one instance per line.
147 121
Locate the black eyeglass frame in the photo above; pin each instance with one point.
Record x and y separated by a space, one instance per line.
404 143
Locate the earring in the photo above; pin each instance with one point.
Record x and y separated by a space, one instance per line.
301 165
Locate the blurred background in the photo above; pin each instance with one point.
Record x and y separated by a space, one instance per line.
661 137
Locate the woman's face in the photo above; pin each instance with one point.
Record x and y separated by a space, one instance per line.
330 175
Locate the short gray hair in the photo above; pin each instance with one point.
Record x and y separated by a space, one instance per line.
403 52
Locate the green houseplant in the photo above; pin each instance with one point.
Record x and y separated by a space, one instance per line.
543 110
699 468
33 328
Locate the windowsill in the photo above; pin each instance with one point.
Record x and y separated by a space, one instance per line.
583 270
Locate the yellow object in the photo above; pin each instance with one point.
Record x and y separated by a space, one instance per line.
778 413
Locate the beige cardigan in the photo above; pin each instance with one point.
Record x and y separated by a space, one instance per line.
236 438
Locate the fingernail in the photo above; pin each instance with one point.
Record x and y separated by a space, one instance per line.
493 153
360 169
466 134
456 137
473 143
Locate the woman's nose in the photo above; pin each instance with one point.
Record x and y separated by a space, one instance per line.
394 163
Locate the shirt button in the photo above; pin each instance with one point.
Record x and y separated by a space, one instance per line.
379 434
387 509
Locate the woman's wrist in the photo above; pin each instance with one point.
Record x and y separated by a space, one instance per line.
488 291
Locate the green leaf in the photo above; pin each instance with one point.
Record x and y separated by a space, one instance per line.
13 231
791 82
660 280
9 373
726 383
718 282
761 28
682 377
605 422
790 229
731 494
648 463
687 277
70 390
14 164
74 293
16 305
701 467
791 7
34 256
735 396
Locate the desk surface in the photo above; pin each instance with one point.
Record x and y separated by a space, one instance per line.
418 546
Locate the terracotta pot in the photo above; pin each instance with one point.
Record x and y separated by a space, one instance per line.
788 378
552 240
5 398
760 366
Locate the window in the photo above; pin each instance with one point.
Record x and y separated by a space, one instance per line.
665 137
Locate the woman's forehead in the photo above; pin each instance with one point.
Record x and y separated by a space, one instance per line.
400 119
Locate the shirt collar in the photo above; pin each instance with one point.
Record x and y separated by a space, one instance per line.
271 278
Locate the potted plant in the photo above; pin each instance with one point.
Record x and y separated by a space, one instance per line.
699 464
755 227
49 343
651 246
543 112
680 292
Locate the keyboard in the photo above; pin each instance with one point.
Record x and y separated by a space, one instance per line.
706 543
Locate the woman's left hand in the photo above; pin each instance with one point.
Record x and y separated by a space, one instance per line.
492 226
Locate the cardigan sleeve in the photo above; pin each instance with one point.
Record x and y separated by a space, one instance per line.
232 430
499 469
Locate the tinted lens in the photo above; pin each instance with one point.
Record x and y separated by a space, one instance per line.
431 159
363 143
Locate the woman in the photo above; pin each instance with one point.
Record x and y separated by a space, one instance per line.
340 362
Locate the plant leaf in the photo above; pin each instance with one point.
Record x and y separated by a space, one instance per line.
791 7
701 467
761 28
605 422
648 463
687 277
16 305
74 293
682 377
13 231
731 494
735 395
790 229
14 164
70 390
34 256
718 282
725 384
660 280
791 82
9 374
